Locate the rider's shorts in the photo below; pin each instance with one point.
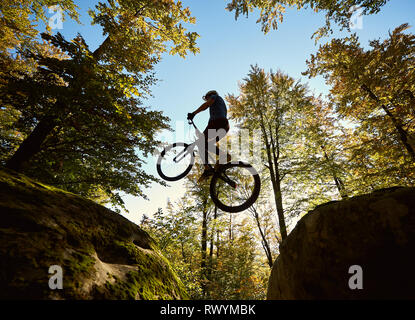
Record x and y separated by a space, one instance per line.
216 124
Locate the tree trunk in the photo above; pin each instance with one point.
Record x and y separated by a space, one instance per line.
183 254
204 251
212 235
265 244
212 240
275 185
337 181
277 182
32 144
230 228
217 244
278 202
403 135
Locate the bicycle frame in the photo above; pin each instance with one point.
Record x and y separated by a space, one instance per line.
229 173
200 144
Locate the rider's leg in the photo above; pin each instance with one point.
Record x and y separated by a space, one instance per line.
204 146
222 155
215 130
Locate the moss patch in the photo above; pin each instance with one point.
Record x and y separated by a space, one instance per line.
152 279
42 226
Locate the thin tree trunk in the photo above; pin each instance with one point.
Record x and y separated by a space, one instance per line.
204 239
275 186
230 228
337 181
204 250
210 264
265 244
183 254
277 197
278 201
211 253
217 244
212 239
277 183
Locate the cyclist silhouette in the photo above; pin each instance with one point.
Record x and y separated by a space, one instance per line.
217 128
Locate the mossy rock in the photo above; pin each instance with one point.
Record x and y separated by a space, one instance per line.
375 232
102 254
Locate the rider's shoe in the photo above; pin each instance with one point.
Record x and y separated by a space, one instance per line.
206 174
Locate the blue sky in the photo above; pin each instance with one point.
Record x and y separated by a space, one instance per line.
227 49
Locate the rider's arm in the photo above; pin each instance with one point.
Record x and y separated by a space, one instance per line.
204 106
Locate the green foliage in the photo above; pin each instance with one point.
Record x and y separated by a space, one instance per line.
233 266
98 131
239 272
18 20
282 109
19 30
176 234
140 31
372 91
272 11
99 122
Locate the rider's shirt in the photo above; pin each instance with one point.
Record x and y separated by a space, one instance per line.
218 109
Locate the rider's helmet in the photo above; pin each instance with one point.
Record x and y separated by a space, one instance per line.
209 94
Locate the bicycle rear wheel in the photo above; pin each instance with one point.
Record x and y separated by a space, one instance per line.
175 161
235 186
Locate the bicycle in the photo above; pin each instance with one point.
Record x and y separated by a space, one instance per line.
234 186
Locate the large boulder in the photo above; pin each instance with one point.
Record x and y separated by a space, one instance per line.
101 254
375 232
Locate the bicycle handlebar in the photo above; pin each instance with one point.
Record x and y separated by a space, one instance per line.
190 121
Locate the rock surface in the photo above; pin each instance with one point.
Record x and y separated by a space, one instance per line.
375 232
102 254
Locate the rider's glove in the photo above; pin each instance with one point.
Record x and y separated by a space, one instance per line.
190 116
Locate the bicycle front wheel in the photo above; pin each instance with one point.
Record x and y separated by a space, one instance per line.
235 186
175 161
